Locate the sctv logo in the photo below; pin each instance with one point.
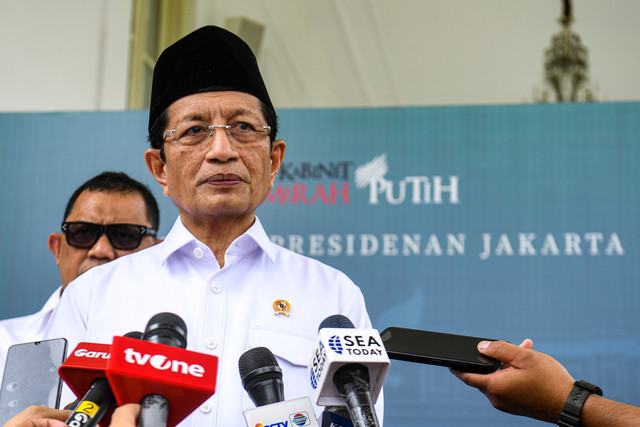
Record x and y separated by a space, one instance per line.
299 419
415 190
162 363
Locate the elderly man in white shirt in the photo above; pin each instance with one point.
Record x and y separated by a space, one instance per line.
213 129
107 199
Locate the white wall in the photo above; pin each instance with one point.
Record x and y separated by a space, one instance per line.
72 54
63 54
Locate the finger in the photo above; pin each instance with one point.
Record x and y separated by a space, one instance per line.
474 380
125 415
501 350
36 416
527 343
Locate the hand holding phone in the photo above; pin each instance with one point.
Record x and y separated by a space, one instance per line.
459 352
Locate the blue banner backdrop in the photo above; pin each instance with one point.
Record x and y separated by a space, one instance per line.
499 221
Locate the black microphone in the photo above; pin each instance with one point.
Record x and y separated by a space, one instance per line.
352 380
97 401
168 329
336 416
262 379
261 376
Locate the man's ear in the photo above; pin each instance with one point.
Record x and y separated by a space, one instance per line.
277 157
156 167
54 242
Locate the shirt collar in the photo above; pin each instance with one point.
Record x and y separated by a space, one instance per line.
254 238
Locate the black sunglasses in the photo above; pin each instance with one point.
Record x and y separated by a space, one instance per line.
121 236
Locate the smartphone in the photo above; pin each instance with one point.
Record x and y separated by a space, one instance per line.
31 376
459 352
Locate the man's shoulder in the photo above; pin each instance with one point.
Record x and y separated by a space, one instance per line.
293 262
284 254
18 329
135 260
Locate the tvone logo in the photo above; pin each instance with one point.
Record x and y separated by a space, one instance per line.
162 363
417 190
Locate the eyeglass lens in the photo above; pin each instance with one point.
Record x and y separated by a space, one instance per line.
121 236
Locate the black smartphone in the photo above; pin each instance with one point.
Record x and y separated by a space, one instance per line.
31 376
459 352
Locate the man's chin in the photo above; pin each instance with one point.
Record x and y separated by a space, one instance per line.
85 269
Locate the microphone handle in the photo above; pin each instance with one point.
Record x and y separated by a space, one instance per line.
361 410
95 403
352 381
154 411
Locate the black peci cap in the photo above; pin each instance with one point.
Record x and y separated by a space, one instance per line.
208 59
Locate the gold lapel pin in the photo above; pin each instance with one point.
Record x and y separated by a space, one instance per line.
281 307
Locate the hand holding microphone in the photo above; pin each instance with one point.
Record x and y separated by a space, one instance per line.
42 416
84 373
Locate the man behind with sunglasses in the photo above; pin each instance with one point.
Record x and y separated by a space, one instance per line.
108 216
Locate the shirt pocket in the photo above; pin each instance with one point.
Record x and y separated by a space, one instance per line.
288 345
293 351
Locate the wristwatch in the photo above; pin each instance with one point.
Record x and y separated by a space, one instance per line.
570 415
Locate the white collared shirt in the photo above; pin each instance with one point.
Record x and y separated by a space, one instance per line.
227 311
26 328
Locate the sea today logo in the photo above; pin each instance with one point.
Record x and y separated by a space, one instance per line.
335 344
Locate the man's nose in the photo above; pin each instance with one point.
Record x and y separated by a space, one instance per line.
221 146
102 249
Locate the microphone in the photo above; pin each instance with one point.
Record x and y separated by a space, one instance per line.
168 381
262 379
261 376
349 366
84 373
168 329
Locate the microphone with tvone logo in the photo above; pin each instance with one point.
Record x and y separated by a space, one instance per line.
262 379
348 367
168 381
84 373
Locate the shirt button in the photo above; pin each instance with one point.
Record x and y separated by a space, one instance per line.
198 253
211 343
206 408
216 288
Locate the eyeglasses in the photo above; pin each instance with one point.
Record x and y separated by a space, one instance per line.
121 236
191 135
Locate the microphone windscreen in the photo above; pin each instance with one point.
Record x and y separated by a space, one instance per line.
261 376
134 334
336 321
166 328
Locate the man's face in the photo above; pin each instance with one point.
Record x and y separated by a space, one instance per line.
98 207
222 177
